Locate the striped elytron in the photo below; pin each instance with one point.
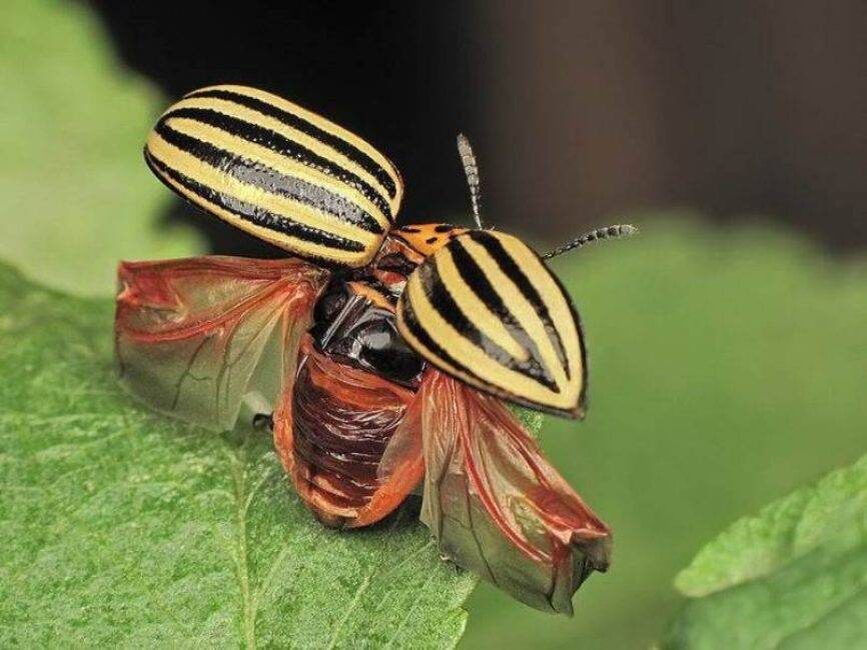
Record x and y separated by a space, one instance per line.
378 355
520 340
277 171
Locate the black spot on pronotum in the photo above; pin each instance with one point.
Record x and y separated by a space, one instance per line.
444 227
431 240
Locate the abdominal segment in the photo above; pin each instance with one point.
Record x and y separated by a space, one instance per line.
342 421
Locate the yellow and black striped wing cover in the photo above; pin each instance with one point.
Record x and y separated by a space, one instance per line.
277 171
485 309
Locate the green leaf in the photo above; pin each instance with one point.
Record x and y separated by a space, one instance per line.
120 527
74 192
795 575
784 531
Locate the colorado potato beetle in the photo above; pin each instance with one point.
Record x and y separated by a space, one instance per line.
381 356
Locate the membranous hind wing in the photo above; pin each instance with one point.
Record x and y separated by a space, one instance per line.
496 506
202 338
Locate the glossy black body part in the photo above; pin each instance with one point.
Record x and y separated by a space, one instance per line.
350 327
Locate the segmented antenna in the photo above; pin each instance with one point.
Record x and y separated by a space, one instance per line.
609 232
471 169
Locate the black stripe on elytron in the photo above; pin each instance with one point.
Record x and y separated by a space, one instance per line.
411 321
582 397
446 306
252 213
337 143
284 146
511 270
260 175
480 284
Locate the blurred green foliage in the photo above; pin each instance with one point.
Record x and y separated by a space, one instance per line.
726 368
793 575
74 194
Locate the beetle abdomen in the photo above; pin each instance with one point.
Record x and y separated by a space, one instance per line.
343 419
277 171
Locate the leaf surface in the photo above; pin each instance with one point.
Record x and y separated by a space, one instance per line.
121 527
793 576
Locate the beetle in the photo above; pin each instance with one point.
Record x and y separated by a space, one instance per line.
382 357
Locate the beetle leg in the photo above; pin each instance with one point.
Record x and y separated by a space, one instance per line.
263 421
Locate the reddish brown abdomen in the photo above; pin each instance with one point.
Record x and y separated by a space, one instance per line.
343 419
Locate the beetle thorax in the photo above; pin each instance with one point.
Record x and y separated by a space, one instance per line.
354 319
427 238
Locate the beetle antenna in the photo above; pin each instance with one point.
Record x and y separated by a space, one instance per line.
609 232
471 169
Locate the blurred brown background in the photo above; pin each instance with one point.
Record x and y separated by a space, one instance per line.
580 111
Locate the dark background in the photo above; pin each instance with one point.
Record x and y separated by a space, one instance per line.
581 112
